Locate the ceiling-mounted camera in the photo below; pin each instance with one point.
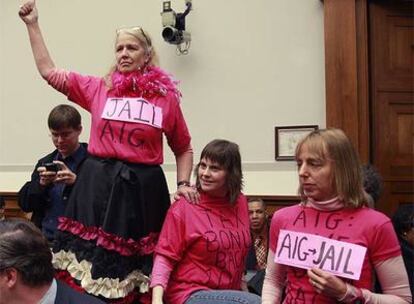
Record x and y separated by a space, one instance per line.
174 27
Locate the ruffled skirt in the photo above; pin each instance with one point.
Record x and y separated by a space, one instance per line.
105 241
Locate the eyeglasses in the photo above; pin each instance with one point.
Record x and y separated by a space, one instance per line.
135 28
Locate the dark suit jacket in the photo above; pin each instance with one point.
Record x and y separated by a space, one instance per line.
67 295
34 198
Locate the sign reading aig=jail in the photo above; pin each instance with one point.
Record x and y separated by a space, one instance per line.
307 251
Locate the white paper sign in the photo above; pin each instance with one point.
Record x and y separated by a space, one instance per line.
307 251
135 110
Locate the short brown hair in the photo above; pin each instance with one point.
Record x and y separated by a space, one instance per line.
333 144
64 116
24 248
227 155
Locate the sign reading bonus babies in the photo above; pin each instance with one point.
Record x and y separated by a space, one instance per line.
306 251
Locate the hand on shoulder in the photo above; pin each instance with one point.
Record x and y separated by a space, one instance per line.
188 192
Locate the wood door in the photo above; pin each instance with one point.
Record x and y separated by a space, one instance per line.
392 123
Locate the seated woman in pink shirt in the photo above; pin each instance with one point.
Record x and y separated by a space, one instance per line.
333 208
202 247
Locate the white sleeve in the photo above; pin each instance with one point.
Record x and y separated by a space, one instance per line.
394 282
274 282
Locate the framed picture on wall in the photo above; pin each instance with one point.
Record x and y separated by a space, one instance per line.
286 139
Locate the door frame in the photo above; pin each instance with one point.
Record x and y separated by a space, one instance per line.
347 71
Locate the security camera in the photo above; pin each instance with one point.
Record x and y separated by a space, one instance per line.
175 36
174 26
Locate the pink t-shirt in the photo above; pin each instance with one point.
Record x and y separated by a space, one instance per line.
363 226
208 242
134 141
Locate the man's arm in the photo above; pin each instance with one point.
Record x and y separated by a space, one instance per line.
33 196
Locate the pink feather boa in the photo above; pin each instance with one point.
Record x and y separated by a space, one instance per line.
150 82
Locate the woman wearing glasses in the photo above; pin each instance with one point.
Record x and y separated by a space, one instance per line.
117 207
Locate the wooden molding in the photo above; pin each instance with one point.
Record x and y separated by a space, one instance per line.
12 208
277 200
273 202
346 70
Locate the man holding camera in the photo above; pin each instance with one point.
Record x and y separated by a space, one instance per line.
54 175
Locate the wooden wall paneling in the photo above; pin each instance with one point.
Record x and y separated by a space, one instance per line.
369 56
346 70
364 130
392 99
392 44
394 148
273 202
276 202
12 209
394 144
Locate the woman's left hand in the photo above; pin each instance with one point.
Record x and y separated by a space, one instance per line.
326 283
188 192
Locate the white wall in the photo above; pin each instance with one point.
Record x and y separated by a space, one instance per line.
253 65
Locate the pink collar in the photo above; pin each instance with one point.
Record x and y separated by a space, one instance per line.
329 205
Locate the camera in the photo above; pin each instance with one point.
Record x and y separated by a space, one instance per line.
51 167
174 24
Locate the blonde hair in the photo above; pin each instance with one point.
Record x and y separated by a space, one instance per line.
333 144
146 42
